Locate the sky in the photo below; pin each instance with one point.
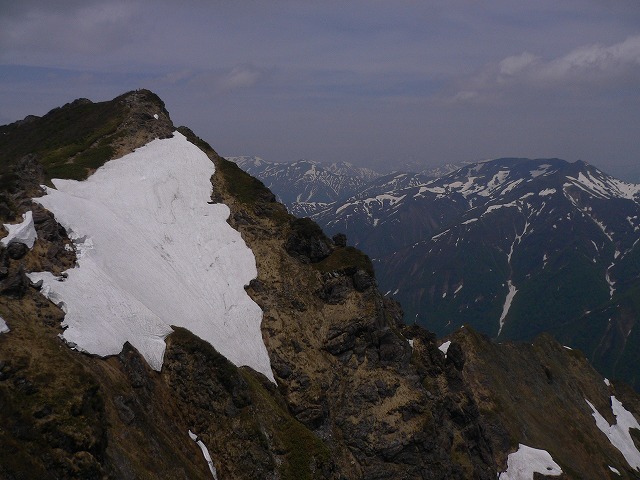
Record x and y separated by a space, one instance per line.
375 83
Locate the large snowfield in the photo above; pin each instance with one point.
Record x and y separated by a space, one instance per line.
153 253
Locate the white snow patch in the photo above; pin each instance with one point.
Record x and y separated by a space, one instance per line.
410 340
205 454
471 220
444 348
458 289
4 328
607 382
618 433
610 281
493 208
153 253
614 470
626 190
495 182
435 237
511 186
542 169
155 115
23 232
437 190
521 465
507 303
343 207
547 191
568 348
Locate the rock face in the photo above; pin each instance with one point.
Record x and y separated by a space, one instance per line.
359 395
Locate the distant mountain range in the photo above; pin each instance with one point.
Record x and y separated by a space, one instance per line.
307 186
513 247
306 181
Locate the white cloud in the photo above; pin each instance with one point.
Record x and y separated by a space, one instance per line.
591 67
595 62
241 76
516 64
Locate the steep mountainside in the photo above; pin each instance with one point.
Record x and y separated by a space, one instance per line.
357 394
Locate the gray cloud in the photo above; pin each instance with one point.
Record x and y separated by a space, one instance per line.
590 70
360 80
33 35
241 76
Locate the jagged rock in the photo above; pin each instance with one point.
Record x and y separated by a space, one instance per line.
46 225
393 348
256 285
335 290
17 250
362 280
307 242
135 367
29 172
455 355
125 412
339 240
15 284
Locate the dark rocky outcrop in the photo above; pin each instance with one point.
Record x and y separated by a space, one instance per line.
307 241
15 284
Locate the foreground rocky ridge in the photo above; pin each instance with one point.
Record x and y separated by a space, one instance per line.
358 394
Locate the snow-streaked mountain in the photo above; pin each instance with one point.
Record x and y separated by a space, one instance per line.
347 169
442 170
307 181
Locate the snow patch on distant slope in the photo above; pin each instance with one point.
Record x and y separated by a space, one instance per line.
619 434
541 170
521 465
153 253
507 304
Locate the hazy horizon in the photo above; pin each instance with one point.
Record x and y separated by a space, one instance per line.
372 83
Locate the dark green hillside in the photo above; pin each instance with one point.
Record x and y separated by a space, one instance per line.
73 140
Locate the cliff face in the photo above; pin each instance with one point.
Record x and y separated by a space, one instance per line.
357 394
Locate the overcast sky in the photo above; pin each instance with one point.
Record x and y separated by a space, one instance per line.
376 83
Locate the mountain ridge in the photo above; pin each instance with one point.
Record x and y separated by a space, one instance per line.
358 394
